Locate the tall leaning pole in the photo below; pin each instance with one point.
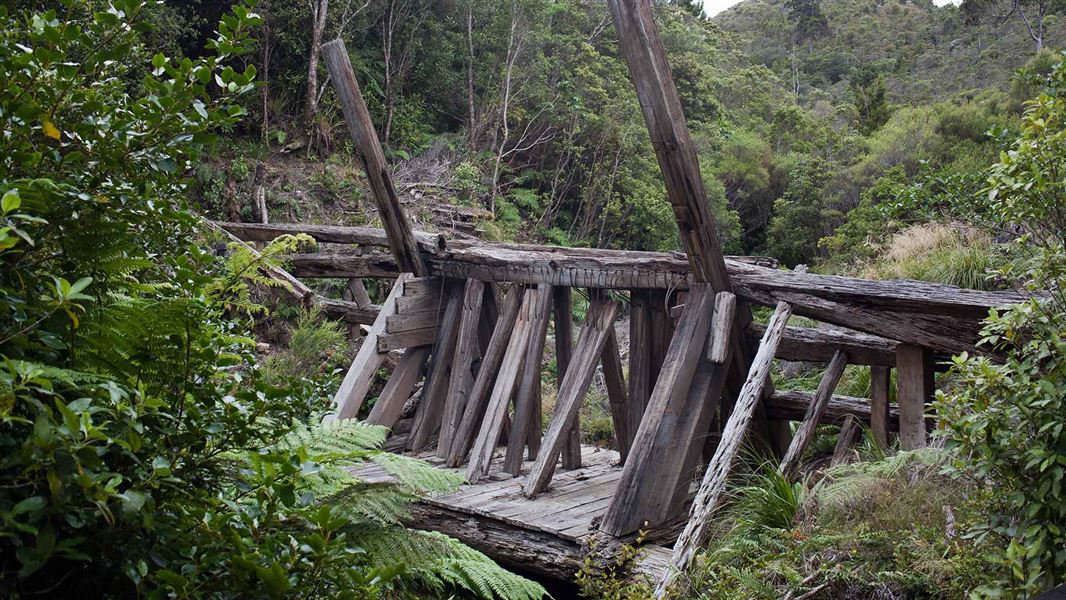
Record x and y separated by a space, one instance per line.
670 440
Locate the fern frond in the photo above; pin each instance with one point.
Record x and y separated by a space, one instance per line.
373 503
336 440
438 561
419 475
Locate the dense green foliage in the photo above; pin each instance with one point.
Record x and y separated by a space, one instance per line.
1006 418
141 450
803 113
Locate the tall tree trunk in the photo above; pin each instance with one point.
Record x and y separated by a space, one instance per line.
471 116
505 104
319 9
264 64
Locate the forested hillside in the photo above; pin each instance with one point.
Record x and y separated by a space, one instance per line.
162 398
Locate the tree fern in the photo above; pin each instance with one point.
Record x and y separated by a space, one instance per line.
442 562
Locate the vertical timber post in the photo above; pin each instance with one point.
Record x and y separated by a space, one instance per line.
914 388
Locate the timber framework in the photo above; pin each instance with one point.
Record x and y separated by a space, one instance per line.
470 320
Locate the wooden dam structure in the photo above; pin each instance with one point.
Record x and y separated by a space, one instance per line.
470 320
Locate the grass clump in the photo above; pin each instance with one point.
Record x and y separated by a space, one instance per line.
889 528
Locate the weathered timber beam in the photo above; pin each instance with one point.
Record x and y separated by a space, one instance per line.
819 345
792 406
400 236
899 294
316 265
333 234
626 269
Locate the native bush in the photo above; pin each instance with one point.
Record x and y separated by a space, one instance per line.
1005 417
141 453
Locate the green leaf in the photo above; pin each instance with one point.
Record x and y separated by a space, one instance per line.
10 201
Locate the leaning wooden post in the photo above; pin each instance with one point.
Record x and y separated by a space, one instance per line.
401 239
805 433
713 486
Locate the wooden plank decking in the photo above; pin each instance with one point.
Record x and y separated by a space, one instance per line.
547 534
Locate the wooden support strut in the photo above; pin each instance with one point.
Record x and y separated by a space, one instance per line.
656 459
431 408
474 411
462 364
564 343
356 383
713 486
880 382
805 434
572 390
527 398
401 239
506 379
914 388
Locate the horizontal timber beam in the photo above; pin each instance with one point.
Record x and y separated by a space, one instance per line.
792 406
941 317
808 344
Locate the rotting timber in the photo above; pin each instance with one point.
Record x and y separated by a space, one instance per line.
470 320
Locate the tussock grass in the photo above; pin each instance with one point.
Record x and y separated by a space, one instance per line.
948 253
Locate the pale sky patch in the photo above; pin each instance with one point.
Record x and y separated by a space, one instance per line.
713 7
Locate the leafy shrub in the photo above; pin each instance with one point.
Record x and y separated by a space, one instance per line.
140 452
1004 417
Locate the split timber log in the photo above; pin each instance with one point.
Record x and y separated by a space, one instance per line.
809 344
712 488
792 406
401 239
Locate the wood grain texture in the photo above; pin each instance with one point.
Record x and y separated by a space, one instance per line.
572 389
792 405
401 238
657 456
614 381
506 380
805 434
880 386
475 407
356 383
431 408
712 487
562 308
809 344
725 308
462 377
398 388
914 388
643 50
527 396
